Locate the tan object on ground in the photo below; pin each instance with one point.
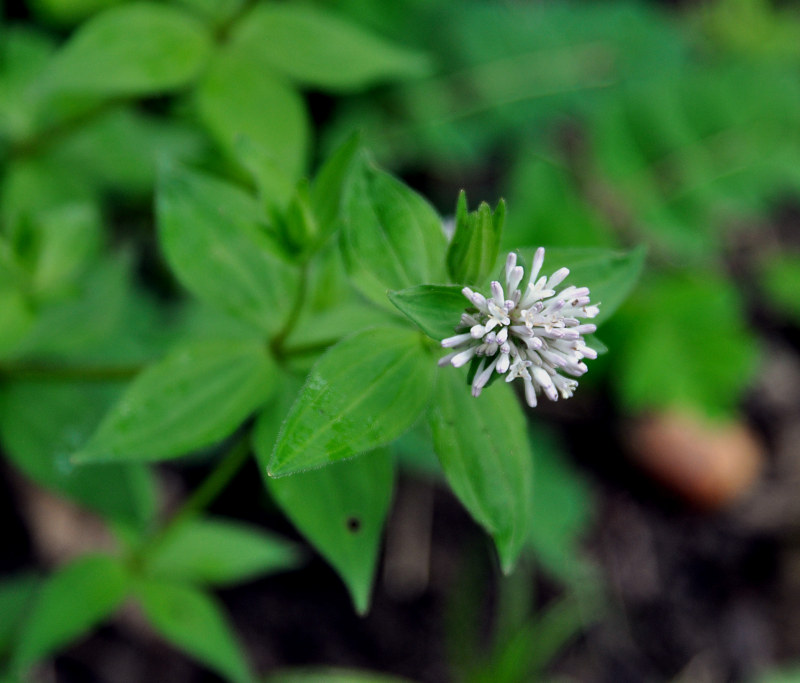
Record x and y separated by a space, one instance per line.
708 464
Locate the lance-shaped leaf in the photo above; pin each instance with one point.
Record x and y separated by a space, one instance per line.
136 49
316 47
71 602
341 510
436 309
209 231
327 190
473 251
219 552
238 98
193 622
484 450
609 274
392 237
196 396
364 392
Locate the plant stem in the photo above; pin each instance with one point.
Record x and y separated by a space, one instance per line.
276 344
227 467
212 485
62 129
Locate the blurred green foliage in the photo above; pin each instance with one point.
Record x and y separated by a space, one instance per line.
609 126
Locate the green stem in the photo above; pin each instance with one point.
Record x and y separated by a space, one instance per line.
277 343
202 496
214 483
62 129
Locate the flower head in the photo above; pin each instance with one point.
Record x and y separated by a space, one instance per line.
532 334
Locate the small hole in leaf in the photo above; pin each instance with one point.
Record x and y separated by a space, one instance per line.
353 524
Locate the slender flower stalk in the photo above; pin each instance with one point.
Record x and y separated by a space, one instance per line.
533 334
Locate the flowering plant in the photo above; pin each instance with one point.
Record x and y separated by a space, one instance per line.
538 332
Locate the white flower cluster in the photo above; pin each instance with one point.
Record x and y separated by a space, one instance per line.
533 335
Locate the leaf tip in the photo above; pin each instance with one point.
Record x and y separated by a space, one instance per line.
361 600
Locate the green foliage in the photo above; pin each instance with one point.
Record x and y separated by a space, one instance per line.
16 320
238 99
486 457
140 48
327 191
70 11
294 281
317 48
473 250
16 595
211 234
392 237
42 424
610 275
561 510
341 510
436 309
194 397
790 675
329 675
674 318
218 552
363 393
780 278
192 621
70 603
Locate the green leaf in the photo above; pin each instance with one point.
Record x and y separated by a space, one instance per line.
192 621
196 396
785 675
65 238
329 675
327 190
275 185
473 250
140 48
16 595
71 602
118 150
316 47
780 279
683 342
24 53
610 275
31 185
393 238
364 392
16 319
316 329
436 309
237 98
483 447
216 13
209 231
42 423
341 510
549 207
104 320
219 552
298 227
